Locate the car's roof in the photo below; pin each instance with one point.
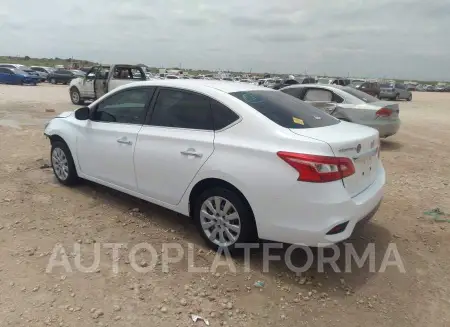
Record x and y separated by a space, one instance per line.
224 86
322 86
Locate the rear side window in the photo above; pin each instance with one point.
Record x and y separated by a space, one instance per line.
360 95
222 115
285 110
318 95
64 72
181 109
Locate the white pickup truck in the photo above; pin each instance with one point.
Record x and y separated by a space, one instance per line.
102 79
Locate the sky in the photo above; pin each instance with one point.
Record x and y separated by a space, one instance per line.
367 38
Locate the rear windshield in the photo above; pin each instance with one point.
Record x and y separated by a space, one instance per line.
359 94
285 110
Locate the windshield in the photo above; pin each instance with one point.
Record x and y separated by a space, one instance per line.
285 110
387 85
359 94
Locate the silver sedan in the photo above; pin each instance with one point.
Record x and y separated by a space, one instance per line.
349 104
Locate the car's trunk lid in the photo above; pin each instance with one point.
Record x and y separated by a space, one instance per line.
357 142
394 107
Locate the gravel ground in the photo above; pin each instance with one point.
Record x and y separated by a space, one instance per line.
36 213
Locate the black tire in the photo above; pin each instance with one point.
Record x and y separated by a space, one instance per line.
397 97
409 98
53 81
248 230
72 176
75 96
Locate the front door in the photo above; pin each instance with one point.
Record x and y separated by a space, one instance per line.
5 75
172 148
87 86
106 145
101 82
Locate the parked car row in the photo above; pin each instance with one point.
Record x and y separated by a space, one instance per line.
433 88
17 76
351 105
21 74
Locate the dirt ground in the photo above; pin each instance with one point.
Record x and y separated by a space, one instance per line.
36 213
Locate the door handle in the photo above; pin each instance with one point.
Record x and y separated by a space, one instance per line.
191 152
124 141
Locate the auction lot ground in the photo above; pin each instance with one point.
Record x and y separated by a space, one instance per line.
36 213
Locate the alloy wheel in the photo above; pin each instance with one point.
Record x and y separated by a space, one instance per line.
60 164
220 221
75 97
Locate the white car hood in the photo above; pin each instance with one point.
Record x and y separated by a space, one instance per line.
76 81
65 114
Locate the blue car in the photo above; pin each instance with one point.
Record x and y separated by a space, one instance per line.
17 76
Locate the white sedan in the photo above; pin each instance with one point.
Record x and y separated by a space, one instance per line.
242 160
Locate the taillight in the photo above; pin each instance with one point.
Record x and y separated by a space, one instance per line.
318 169
384 112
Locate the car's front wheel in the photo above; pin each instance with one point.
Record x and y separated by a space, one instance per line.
75 96
53 81
409 98
62 164
224 219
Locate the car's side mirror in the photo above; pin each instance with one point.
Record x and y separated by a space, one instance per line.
82 113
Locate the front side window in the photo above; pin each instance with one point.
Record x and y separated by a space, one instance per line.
285 110
181 109
126 107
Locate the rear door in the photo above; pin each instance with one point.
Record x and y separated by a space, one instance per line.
173 145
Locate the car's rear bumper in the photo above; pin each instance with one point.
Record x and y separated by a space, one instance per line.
388 94
385 128
307 219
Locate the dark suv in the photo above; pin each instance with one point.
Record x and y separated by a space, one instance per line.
372 88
